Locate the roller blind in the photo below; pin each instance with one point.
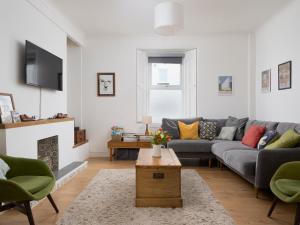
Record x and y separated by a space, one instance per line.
170 60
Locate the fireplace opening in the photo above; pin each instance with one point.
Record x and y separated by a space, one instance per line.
48 151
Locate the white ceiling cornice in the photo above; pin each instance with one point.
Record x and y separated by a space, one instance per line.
55 16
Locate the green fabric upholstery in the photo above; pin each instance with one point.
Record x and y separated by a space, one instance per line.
32 184
27 180
288 186
285 184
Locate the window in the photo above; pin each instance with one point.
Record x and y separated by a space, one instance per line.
166 86
165 91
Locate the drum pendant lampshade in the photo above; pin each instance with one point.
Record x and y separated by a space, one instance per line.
168 18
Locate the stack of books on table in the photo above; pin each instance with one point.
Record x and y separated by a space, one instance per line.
145 138
129 137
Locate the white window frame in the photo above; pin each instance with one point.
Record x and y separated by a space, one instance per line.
164 86
188 80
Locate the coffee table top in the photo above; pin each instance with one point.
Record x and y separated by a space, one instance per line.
168 159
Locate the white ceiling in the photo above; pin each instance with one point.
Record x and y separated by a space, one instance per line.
135 17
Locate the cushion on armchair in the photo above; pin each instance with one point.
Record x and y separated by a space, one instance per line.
288 186
4 168
32 184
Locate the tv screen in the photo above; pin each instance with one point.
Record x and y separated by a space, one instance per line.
42 68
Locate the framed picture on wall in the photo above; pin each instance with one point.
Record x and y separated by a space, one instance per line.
6 107
285 75
106 84
225 84
266 81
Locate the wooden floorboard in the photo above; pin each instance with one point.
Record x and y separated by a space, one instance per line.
235 194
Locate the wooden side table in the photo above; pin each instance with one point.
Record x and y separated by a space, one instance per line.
124 145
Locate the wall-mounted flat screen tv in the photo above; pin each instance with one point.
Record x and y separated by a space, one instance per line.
42 68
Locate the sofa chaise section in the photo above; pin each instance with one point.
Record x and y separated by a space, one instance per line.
256 166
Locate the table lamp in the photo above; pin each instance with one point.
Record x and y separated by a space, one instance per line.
147 120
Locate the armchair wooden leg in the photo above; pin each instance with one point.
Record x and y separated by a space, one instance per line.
275 201
53 203
297 217
29 213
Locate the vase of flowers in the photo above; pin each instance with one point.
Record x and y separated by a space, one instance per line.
159 140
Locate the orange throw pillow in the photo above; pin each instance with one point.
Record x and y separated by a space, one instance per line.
253 135
189 131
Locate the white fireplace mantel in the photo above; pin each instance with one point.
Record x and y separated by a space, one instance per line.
20 140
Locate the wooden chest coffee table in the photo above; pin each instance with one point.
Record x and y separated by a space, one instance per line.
158 180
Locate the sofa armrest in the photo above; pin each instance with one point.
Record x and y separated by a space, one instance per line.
268 161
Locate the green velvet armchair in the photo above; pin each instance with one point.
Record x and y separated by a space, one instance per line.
27 180
285 185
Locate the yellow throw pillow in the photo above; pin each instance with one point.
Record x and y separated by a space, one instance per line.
189 131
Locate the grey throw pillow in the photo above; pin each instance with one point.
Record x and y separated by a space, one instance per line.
227 133
208 130
171 127
4 168
239 124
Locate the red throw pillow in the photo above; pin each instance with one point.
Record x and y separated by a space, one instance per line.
253 135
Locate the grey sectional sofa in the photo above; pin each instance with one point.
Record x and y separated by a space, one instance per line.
256 166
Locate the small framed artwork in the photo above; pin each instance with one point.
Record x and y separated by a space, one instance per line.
6 103
6 106
285 75
225 84
106 84
266 81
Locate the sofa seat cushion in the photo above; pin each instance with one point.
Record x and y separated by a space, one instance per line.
288 186
32 184
243 161
221 146
190 145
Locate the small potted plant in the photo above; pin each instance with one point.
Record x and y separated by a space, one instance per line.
160 139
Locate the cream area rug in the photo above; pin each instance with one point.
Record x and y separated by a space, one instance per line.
110 200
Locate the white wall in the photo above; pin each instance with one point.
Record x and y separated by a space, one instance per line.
74 82
20 21
217 55
277 41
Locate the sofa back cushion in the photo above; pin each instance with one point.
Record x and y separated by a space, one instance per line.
253 135
267 124
283 127
171 125
239 124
